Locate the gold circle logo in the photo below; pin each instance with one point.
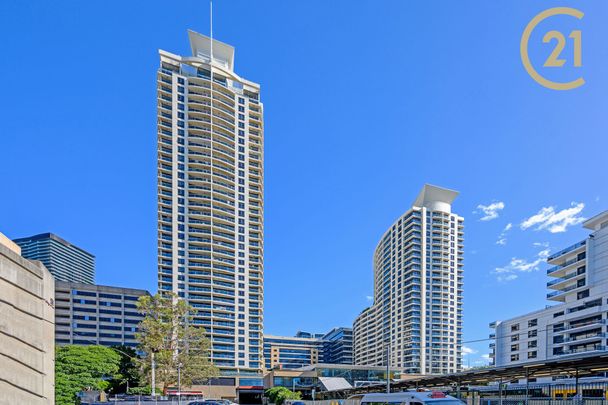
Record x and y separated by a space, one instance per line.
553 60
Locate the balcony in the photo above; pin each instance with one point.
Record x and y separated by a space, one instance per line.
586 349
576 326
566 250
565 278
560 295
555 271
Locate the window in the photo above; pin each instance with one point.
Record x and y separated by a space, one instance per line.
515 328
532 344
514 338
514 348
532 323
582 294
532 333
532 355
514 357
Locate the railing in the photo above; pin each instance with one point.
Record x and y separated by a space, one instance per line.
536 401
561 266
566 250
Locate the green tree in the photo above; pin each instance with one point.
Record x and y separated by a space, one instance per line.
83 367
168 332
278 395
129 375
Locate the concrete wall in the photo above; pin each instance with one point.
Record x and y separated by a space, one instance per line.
27 331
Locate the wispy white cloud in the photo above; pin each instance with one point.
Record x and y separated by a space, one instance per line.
485 356
554 221
369 298
490 211
517 265
502 238
468 350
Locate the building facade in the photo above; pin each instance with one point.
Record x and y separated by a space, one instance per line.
286 352
415 322
211 199
305 349
65 261
338 346
27 317
577 324
88 314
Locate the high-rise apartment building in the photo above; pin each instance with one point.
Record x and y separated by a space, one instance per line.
576 326
65 261
415 322
88 314
211 199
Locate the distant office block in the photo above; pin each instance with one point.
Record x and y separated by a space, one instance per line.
65 261
304 349
27 345
338 346
95 314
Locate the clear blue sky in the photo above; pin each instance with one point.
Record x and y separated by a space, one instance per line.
365 102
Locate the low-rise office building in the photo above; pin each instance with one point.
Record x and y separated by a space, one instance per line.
338 346
96 314
27 344
291 352
577 325
305 348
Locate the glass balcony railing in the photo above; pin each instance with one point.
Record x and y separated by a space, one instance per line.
566 250
561 279
561 266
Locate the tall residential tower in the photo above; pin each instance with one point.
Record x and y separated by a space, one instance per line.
415 322
211 199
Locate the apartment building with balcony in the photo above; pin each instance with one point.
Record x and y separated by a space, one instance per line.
211 200
415 322
65 261
577 324
87 314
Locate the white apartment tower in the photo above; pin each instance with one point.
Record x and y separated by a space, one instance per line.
415 322
211 199
576 326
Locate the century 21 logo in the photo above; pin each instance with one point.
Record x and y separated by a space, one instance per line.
554 58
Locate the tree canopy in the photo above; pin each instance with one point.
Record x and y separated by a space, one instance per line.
278 395
80 368
167 331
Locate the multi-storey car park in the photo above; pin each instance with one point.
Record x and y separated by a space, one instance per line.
577 324
211 201
415 322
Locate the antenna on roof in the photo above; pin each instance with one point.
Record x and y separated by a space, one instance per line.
211 31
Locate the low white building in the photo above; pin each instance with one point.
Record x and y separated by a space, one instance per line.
577 325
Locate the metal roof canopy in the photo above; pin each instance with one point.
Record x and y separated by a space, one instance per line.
580 366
